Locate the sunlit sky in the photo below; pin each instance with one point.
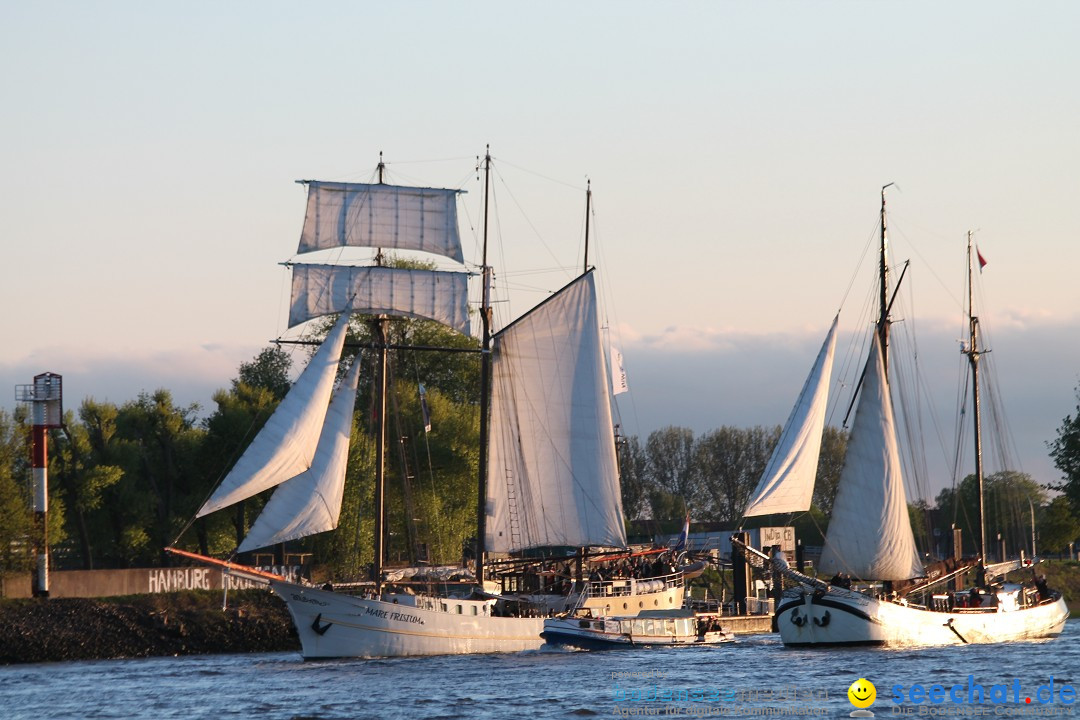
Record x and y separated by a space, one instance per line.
736 153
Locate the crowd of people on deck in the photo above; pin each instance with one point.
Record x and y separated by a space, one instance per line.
636 567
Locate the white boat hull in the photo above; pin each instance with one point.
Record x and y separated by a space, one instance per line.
334 625
846 617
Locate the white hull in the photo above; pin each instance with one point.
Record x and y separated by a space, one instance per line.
333 625
846 617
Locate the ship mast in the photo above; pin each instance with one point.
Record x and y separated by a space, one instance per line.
485 383
973 353
379 326
883 318
588 207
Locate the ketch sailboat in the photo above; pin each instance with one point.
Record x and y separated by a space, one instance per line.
548 475
869 536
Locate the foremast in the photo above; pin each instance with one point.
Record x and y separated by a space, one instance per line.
379 326
973 353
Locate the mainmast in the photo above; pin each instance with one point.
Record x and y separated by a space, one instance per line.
883 318
973 353
485 382
884 302
588 208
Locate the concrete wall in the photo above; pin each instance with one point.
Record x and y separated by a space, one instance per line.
105 583
15 585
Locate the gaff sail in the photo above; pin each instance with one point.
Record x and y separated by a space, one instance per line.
552 472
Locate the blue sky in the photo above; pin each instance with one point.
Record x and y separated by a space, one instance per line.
736 152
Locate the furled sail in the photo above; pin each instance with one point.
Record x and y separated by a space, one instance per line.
869 534
787 485
381 216
552 472
373 290
286 444
311 502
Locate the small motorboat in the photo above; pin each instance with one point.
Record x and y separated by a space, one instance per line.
585 629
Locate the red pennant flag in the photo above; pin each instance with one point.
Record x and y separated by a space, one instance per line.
982 260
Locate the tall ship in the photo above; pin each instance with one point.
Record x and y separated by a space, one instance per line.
869 542
548 472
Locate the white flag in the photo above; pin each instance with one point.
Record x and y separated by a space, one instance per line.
618 374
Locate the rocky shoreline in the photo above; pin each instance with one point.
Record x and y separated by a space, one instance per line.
181 623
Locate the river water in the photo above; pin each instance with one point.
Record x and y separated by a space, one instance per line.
752 677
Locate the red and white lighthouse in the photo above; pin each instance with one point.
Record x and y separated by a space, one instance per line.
47 411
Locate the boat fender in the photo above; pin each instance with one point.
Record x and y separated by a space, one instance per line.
320 629
823 621
796 619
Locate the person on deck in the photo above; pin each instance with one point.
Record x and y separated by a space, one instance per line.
1041 586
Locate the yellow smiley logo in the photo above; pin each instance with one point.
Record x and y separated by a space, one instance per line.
862 693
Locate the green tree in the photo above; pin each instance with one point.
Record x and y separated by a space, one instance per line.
16 519
156 495
268 370
1059 526
729 463
918 515
1008 497
633 472
670 454
830 464
85 470
1065 451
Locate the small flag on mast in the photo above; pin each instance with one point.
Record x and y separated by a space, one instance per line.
982 260
424 408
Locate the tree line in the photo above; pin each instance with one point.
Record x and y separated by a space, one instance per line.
126 480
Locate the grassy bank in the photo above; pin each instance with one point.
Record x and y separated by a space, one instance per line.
1062 575
182 623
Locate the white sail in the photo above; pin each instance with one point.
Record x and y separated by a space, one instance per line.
372 290
311 502
286 444
869 534
552 472
381 216
787 485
